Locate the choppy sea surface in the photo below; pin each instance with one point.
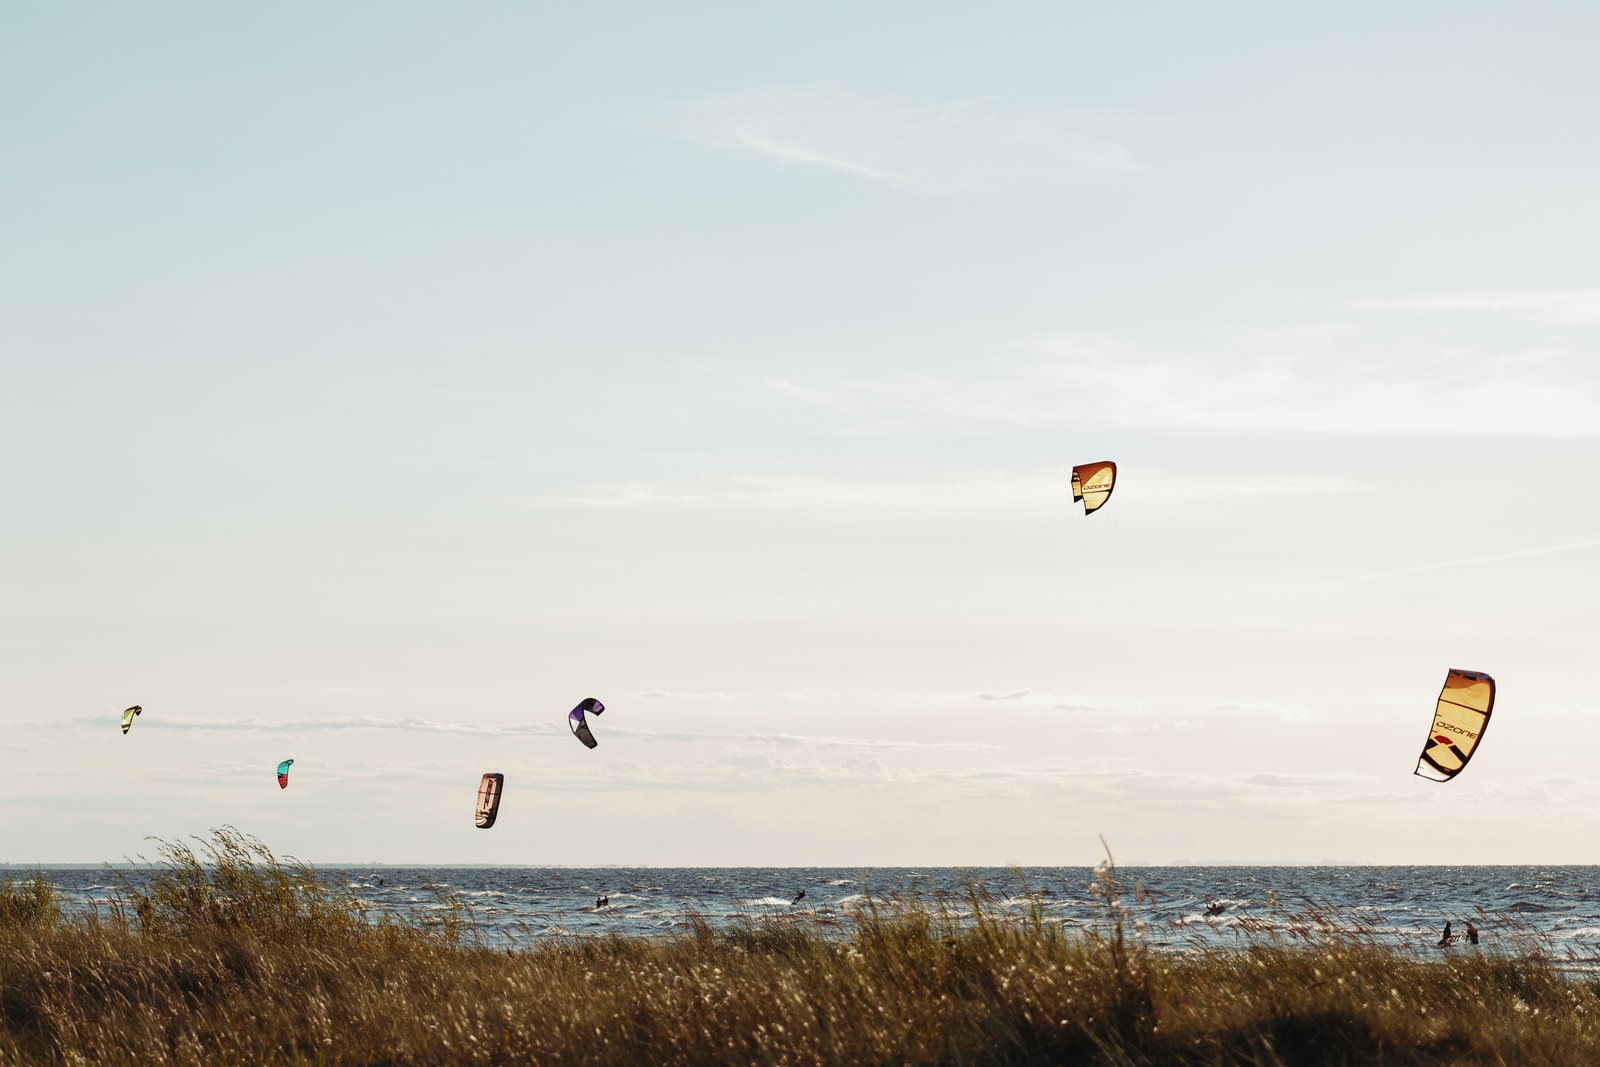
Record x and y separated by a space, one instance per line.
1550 909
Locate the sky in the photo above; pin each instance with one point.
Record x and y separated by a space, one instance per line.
382 379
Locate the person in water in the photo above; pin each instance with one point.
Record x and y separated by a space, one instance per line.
798 897
1215 907
1448 936
1472 933
602 902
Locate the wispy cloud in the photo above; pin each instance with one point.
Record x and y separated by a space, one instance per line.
1275 780
1548 550
412 724
1127 786
955 148
975 497
1114 783
808 740
1333 379
409 724
740 772
1021 699
1574 306
791 493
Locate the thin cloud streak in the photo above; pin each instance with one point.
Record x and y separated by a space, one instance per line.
1448 564
972 148
1111 783
760 493
978 497
1346 379
409 724
1572 306
750 139
418 725
1033 700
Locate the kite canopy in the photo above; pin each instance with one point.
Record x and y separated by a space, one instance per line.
576 720
1092 484
128 717
488 800
1458 724
283 774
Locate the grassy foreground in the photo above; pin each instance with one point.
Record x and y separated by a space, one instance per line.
233 957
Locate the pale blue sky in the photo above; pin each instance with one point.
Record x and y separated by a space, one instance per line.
381 380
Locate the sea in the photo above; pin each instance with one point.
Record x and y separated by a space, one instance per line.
1550 910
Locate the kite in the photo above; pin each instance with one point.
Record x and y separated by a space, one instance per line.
488 800
1092 483
283 774
128 716
1458 724
576 720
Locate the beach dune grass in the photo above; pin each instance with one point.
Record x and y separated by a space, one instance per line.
230 956
33 903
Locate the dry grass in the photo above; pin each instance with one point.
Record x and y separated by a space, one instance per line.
232 957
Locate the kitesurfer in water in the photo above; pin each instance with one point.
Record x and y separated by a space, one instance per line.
1448 936
798 897
602 902
1215 907
1472 933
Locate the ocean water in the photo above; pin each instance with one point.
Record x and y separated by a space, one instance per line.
1552 909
